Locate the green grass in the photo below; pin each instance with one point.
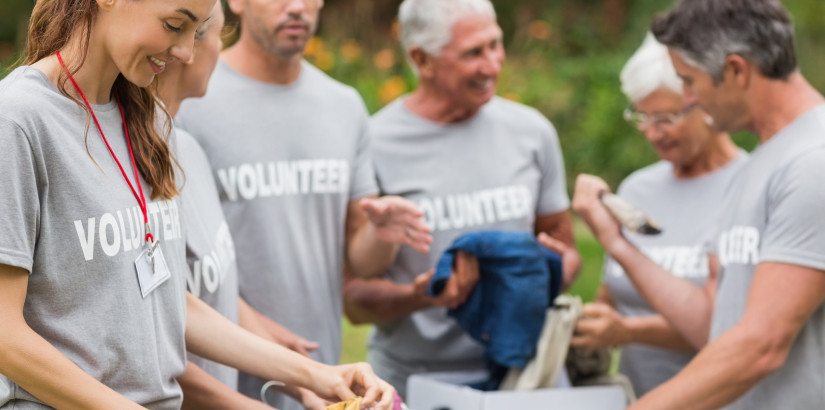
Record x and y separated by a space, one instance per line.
354 343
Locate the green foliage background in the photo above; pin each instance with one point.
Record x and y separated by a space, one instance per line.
564 57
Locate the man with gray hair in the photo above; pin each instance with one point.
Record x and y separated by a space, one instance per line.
766 320
454 148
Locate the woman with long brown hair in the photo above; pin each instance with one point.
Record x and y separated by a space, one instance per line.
92 253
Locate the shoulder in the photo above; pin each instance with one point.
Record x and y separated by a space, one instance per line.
390 113
26 92
185 141
516 114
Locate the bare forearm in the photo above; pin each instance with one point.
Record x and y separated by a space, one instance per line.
368 256
656 331
719 374
202 391
685 306
380 300
208 334
37 366
248 319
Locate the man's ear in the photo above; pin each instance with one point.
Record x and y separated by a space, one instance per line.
738 69
236 6
424 62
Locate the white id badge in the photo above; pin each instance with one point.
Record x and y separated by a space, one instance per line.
149 276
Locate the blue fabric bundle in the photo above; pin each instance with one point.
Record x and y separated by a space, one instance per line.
518 280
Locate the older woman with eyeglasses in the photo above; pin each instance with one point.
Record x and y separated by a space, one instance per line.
682 192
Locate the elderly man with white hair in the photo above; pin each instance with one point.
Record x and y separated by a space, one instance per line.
472 162
682 192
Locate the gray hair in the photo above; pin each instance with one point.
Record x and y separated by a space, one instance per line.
648 70
705 32
428 23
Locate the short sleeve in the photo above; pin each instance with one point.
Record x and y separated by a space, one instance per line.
363 181
795 229
19 199
553 187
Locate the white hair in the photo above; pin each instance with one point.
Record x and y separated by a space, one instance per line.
649 69
429 23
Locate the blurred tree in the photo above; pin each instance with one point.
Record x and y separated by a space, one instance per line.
564 57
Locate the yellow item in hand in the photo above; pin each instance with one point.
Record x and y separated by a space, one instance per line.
351 404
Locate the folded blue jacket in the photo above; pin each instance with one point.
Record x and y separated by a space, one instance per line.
518 280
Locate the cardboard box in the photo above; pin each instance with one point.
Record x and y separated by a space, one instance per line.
447 391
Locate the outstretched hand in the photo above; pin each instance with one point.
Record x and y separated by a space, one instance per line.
346 381
397 220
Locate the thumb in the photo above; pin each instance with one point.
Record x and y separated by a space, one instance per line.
372 207
552 243
343 392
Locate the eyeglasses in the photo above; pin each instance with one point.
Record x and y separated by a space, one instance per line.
658 120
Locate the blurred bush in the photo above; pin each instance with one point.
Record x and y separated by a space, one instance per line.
564 57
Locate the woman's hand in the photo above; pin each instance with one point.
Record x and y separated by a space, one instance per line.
346 381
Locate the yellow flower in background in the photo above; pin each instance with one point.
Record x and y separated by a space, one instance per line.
350 50
314 46
396 30
391 89
324 60
540 30
384 59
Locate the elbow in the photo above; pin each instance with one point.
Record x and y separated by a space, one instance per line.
355 309
354 315
765 350
699 338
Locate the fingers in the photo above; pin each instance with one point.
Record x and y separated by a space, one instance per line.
421 282
364 377
552 243
418 238
309 346
583 341
595 310
387 395
589 187
373 208
343 392
467 272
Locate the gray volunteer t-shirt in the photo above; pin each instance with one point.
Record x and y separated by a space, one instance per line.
688 212
74 224
498 170
210 252
287 161
775 213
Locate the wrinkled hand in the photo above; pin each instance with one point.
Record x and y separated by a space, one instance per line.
570 268
346 381
397 220
600 326
588 206
458 288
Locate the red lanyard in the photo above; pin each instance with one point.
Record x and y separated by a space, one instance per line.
141 200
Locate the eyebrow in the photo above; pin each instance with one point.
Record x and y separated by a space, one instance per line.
189 14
